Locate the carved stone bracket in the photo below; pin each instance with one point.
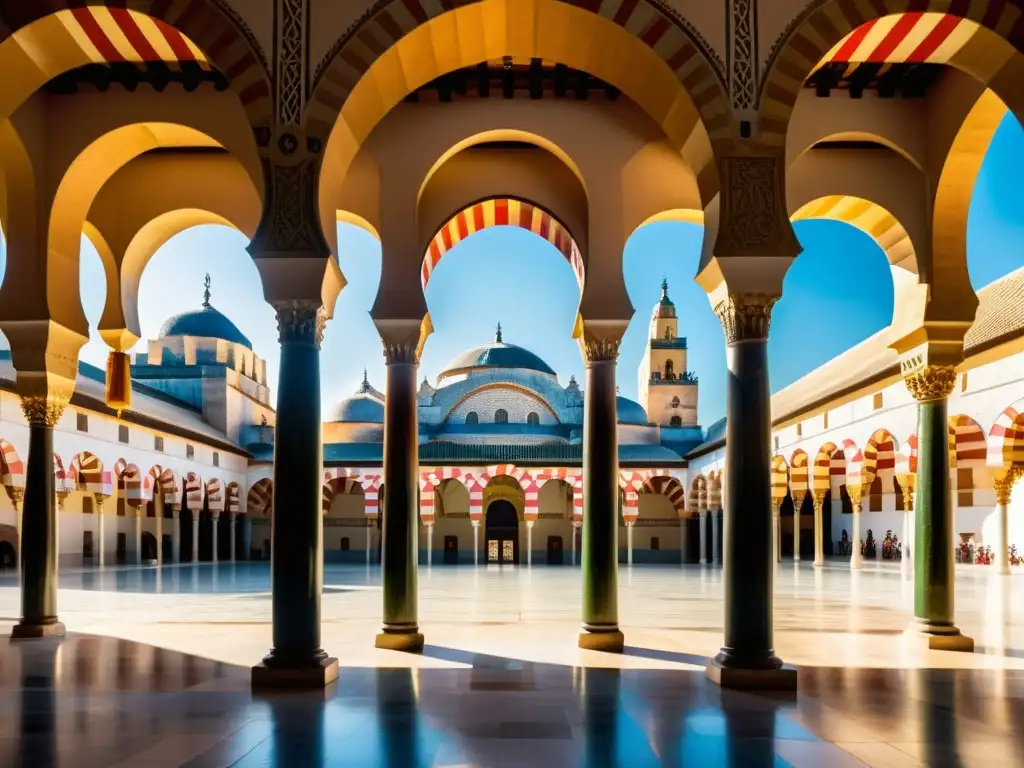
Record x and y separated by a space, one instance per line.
44 410
301 322
291 218
746 317
930 382
754 220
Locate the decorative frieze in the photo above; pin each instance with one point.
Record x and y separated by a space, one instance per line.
930 382
44 410
301 322
746 317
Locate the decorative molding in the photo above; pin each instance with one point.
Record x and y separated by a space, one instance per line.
402 352
291 220
782 39
600 350
44 410
301 322
746 317
754 216
291 35
1003 486
931 382
346 37
741 48
236 18
698 40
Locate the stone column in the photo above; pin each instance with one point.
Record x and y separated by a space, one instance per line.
246 537
572 542
776 532
716 532
931 385
158 510
234 539
907 495
629 543
216 523
195 537
600 550
139 512
529 543
401 501
856 499
703 536
18 500
100 529
176 535
296 565
747 658
1003 486
39 542
819 522
430 544
796 529
683 538
369 542
476 541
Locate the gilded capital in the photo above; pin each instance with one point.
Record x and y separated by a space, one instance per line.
746 316
301 322
597 350
44 410
931 382
819 500
856 494
1003 486
402 352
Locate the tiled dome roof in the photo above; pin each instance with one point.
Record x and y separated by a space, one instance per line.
630 411
206 322
365 406
496 355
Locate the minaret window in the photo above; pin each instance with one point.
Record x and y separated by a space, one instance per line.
668 370
675 402
472 418
668 334
676 421
533 418
501 416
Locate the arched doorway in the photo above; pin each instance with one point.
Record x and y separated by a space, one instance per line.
7 555
148 547
502 532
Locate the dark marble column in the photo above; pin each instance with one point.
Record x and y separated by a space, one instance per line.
747 659
400 501
296 569
600 549
933 557
39 542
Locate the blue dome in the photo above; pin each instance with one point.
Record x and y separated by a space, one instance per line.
361 407
496 355
206 322
630 411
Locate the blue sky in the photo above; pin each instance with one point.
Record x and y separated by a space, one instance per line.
838 292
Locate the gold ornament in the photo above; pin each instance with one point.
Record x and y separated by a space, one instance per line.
746 317
44 410
931 382
119 382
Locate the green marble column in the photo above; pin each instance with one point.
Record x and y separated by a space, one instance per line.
296 566
934 539
747 659
39 540
400 502
600 549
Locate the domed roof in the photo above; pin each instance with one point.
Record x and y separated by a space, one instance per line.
665 307
630 412
365 406
206 322
496 355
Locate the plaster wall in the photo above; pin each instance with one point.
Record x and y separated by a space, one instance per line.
659 403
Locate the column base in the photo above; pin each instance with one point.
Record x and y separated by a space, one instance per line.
408 642
34 630
609 642
938 638
819 563
312 673
781 678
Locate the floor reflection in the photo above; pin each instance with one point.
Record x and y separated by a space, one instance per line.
96 701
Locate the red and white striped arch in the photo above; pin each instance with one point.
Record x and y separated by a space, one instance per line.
194 491
799 479
1006 438
86 473
498 213
780 477
573 477
904 38
215 496
821 472
858 473
60 475
259 498
880 453
233 501
129 481
345 480
699 493
715 490
12 469
968 446
171 487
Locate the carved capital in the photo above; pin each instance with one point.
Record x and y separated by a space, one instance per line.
856 494
402 352
17 496
1003 486
746 317
61 496
301 322
930 382
44 410
819 501
600 350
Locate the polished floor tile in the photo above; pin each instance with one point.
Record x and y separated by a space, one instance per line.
155 672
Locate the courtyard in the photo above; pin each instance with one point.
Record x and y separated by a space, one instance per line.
155 671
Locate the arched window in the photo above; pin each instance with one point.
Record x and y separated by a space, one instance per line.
345 544
533 418
668 370
472 418
676 421
675 402
501 416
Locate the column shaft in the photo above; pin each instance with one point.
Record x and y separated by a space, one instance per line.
629 544
234 540
529 543
905 558
139 512
856 558
703 537
401 506
796 530
748 571
716 532
213 554
101 533
296 563
176 536
600 555
819 539
195 537
430 545
476 542
933 588
39 541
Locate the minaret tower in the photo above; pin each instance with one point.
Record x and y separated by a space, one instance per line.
668 392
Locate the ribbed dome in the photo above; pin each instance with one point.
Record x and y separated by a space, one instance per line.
496 355
206 322
630 412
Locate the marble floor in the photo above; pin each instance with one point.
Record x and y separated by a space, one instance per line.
155 670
